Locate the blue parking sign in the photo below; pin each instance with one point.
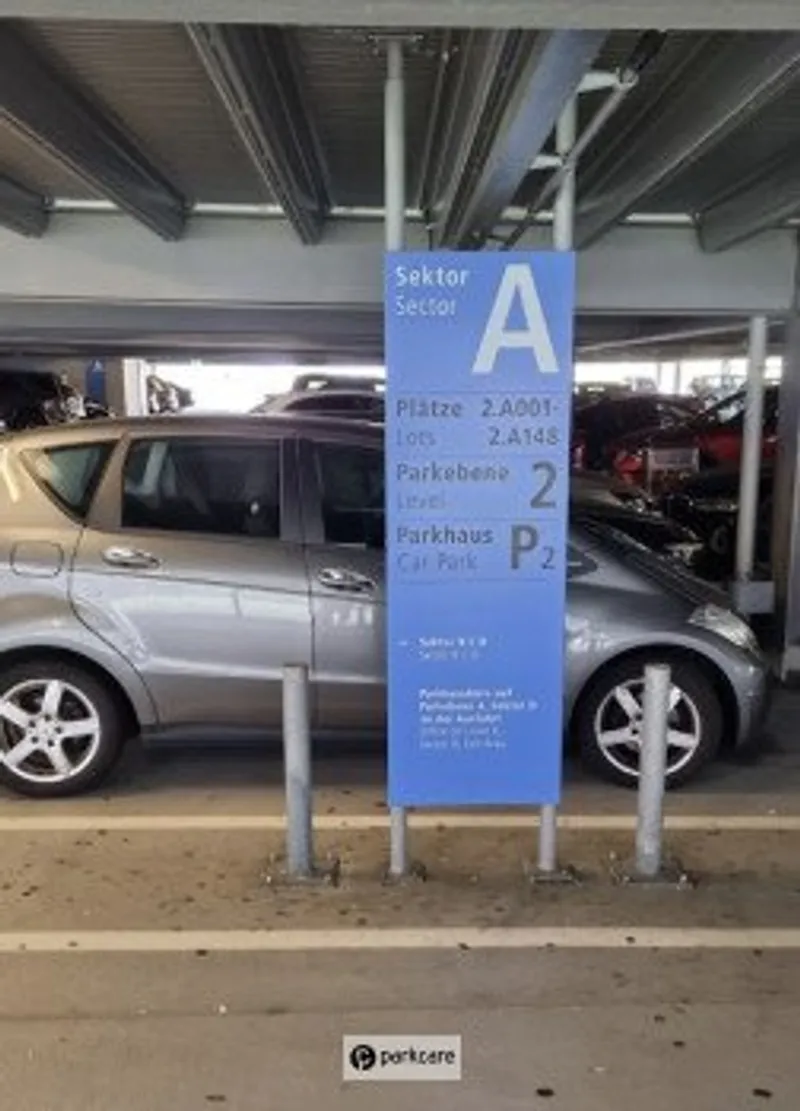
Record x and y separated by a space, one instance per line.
479 351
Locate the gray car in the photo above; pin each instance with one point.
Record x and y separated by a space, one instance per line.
355 404
157 574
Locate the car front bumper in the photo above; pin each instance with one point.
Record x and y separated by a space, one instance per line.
753 687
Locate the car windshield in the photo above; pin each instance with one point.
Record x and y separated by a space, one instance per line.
673 414
724 412
657 567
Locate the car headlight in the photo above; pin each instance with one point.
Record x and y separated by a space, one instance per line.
725 624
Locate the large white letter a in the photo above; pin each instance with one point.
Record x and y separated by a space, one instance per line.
517 279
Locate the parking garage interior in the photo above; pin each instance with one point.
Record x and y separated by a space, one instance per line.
195 202
176 190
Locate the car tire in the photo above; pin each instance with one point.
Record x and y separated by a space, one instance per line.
60 748
604 713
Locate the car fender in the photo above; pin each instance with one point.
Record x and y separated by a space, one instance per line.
585 667
32 622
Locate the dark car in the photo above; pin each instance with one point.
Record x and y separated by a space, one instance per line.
358 404
314 380
630 511
33 399
708 504
714 436
602 423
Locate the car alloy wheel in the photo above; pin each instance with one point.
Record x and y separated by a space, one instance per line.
619 722
608 719
50 731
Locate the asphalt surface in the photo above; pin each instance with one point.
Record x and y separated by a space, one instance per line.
225 986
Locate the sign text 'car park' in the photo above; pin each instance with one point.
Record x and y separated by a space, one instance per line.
479 360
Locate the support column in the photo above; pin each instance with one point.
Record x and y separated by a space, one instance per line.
670 382
751 597
786 500
563 239
126 386
564 207
395 200
750 468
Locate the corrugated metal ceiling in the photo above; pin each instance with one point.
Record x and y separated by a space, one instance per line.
665 69
150 78
344 75
772 131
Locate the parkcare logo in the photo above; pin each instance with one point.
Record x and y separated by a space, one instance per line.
414 1057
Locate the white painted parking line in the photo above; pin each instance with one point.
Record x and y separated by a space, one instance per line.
450 937
165 823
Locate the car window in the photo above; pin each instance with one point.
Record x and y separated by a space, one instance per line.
71 474
355 404
222 487
316 403
671 414
728 411
351 483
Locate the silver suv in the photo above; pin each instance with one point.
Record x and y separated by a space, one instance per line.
159 573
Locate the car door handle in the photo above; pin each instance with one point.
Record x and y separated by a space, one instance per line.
349 582
133 558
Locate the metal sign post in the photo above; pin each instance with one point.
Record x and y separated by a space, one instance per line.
395 194
563 238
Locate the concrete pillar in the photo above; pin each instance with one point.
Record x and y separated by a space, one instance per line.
668 377
126 386
786 500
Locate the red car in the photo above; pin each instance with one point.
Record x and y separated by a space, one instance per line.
600 422
715 435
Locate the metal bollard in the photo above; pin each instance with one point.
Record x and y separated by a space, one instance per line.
548 840
398 837
297 770
652 770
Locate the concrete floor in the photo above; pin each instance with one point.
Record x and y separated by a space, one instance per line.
587 1031
227 990
180 778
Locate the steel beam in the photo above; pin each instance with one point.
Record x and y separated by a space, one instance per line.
51 111
765 200
304 332
741 15
21 209
258 262
257 77
725 85
503 96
